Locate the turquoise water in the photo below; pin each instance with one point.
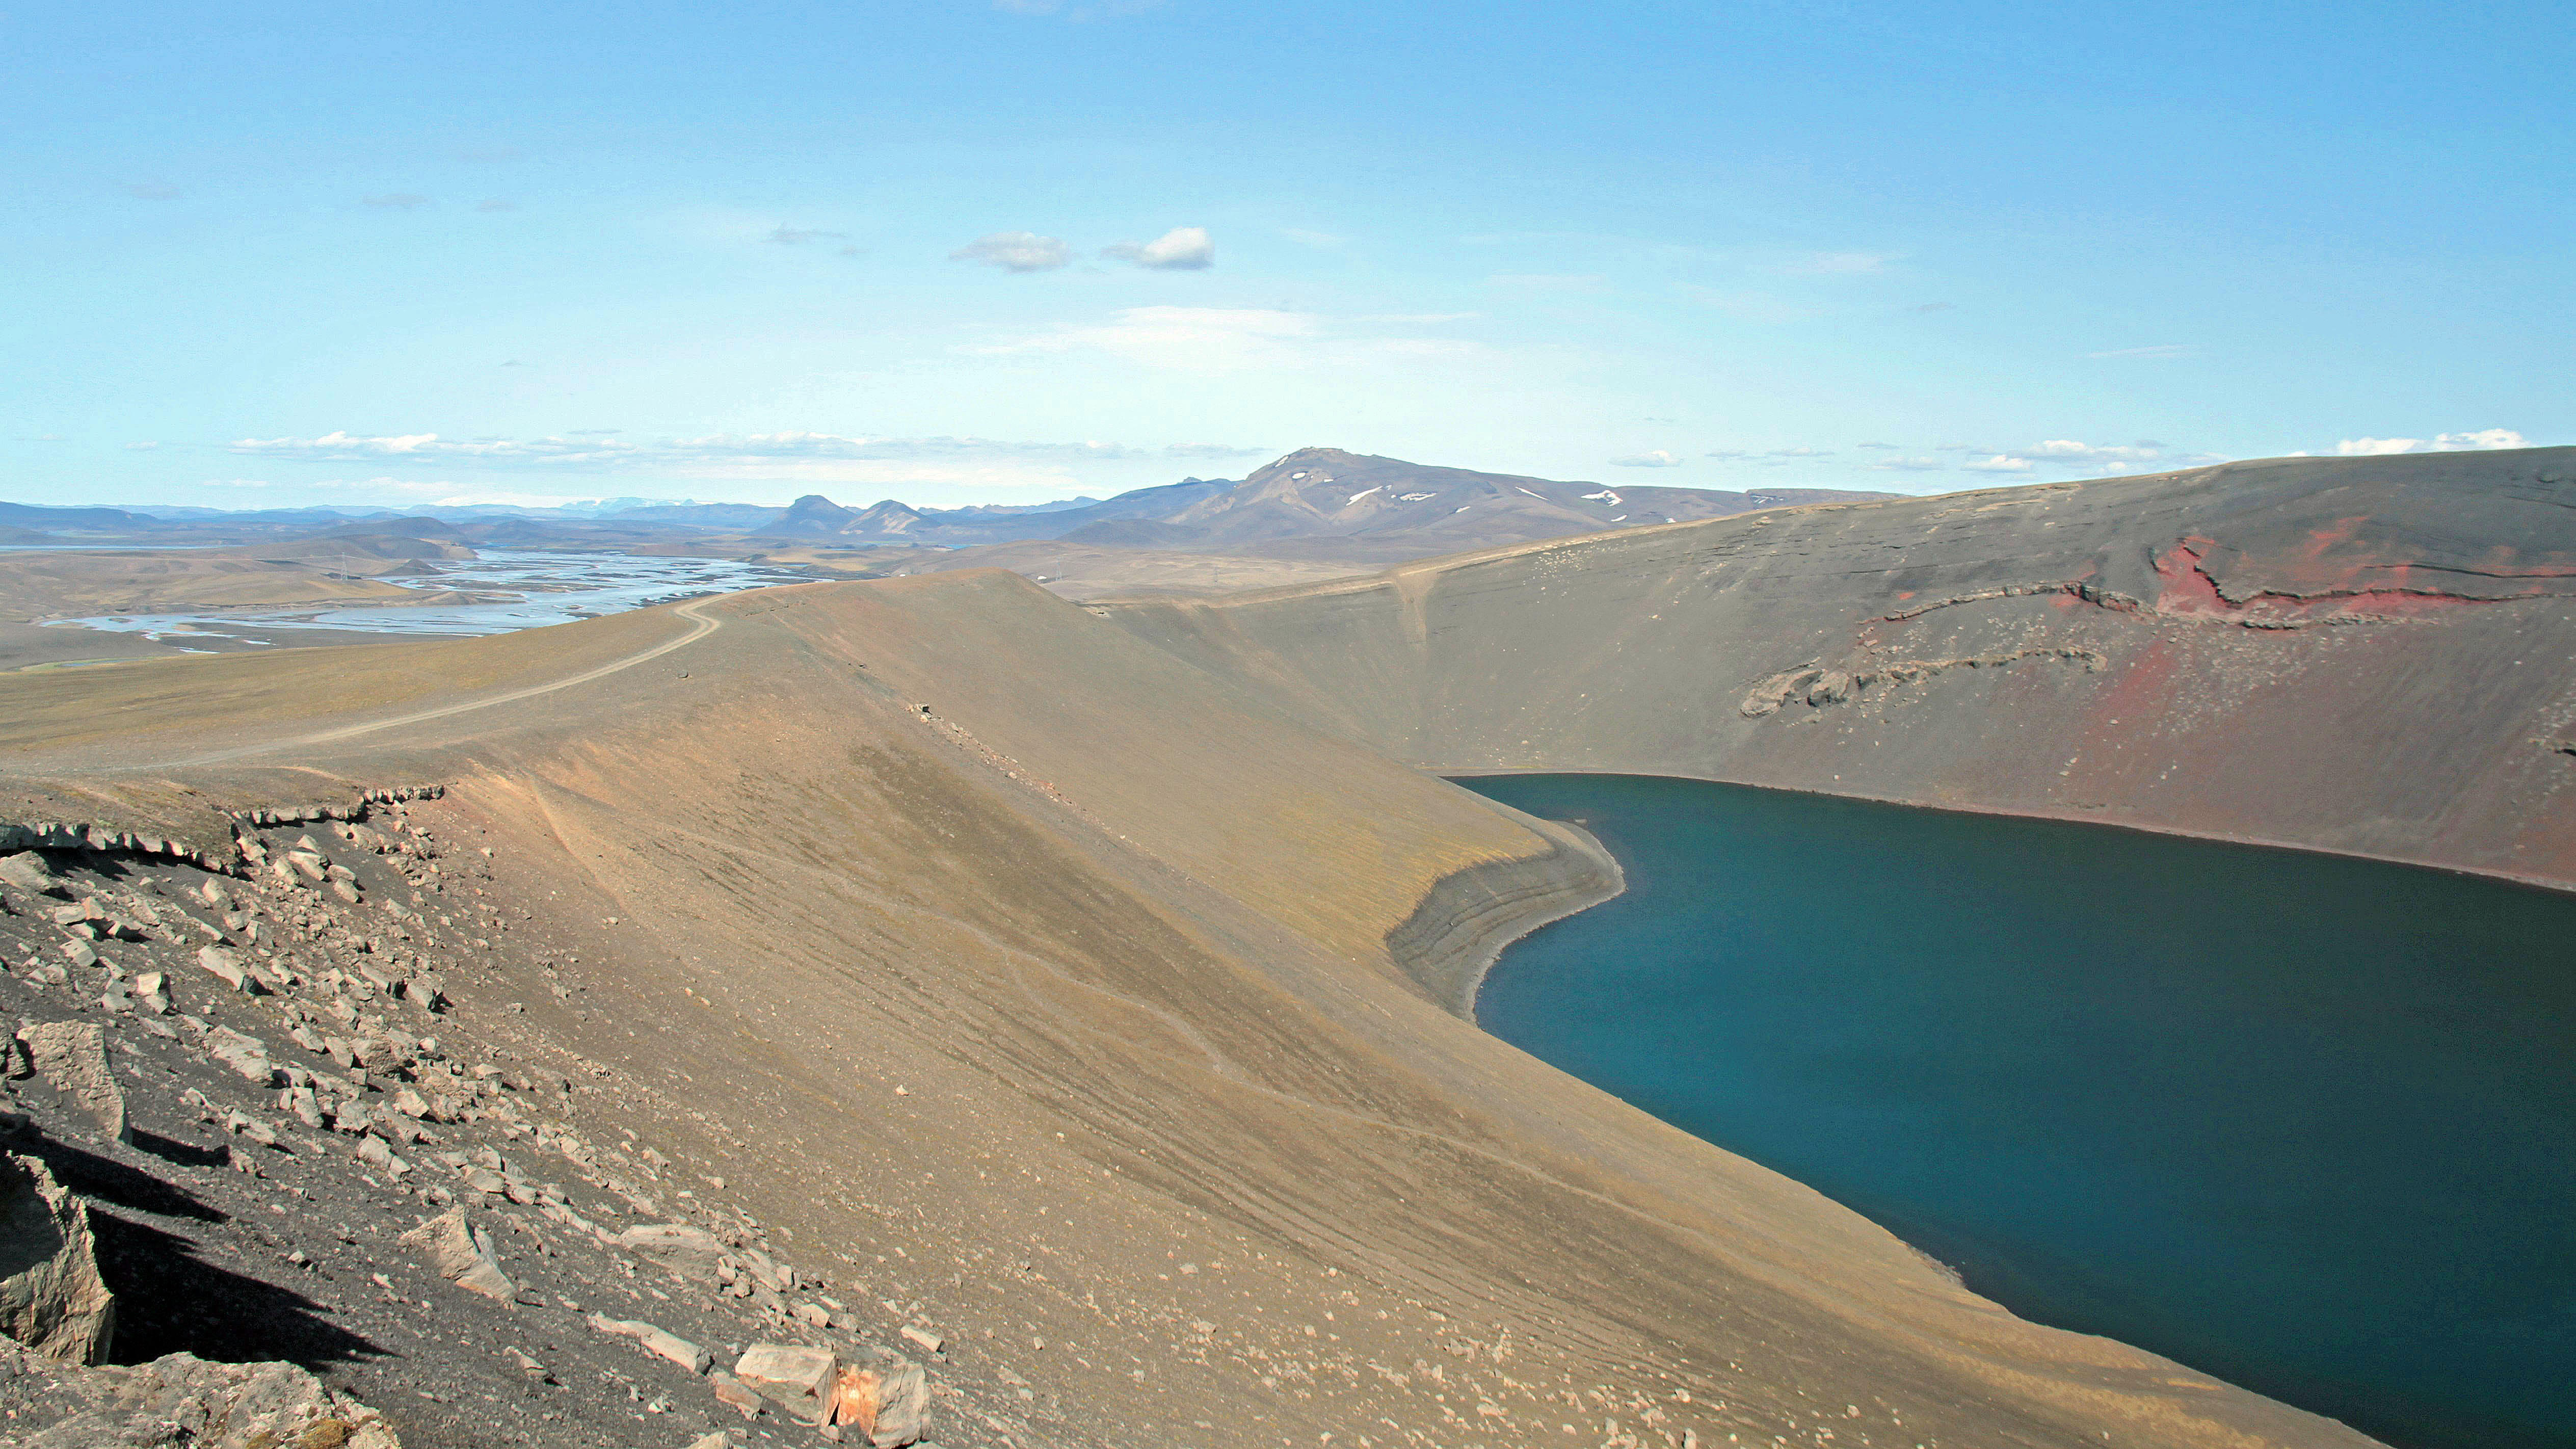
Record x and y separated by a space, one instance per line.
2307 1124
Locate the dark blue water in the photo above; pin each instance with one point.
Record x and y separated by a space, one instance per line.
2305 1123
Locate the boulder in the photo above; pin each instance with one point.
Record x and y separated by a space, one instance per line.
802 1381
72 1056
889 1404
734 1394
150 991
678 1350
247 1055
228 968
452 1250
688 1251
53 1301
30 872
657 1342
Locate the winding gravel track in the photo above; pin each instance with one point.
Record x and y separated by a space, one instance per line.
702 625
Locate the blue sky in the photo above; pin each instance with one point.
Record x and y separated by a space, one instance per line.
268 255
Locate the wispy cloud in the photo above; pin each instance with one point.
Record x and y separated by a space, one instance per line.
141 447
1657 458
1182 249
2064 455
1015 251
1771 457
1305 238
1224 339
2163 349
397 201
2484 439
1938 307
1908 465
789 236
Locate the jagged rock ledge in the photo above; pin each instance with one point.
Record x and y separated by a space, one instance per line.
1463 923
104 838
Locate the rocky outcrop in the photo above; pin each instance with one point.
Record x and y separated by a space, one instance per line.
180 1400
53 1300
1816 686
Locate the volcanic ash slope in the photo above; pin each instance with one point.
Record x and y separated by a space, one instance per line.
1039 979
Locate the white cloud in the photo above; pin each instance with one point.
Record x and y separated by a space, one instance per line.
140 447
2481 440
1908 465
397 201
1657 458
1015 251
2069 455
1306 238
1776 457
1180 337
789 236
2166 349
1882 447
1182 249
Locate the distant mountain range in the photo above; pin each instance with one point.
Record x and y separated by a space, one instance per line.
1312 501
1315 503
